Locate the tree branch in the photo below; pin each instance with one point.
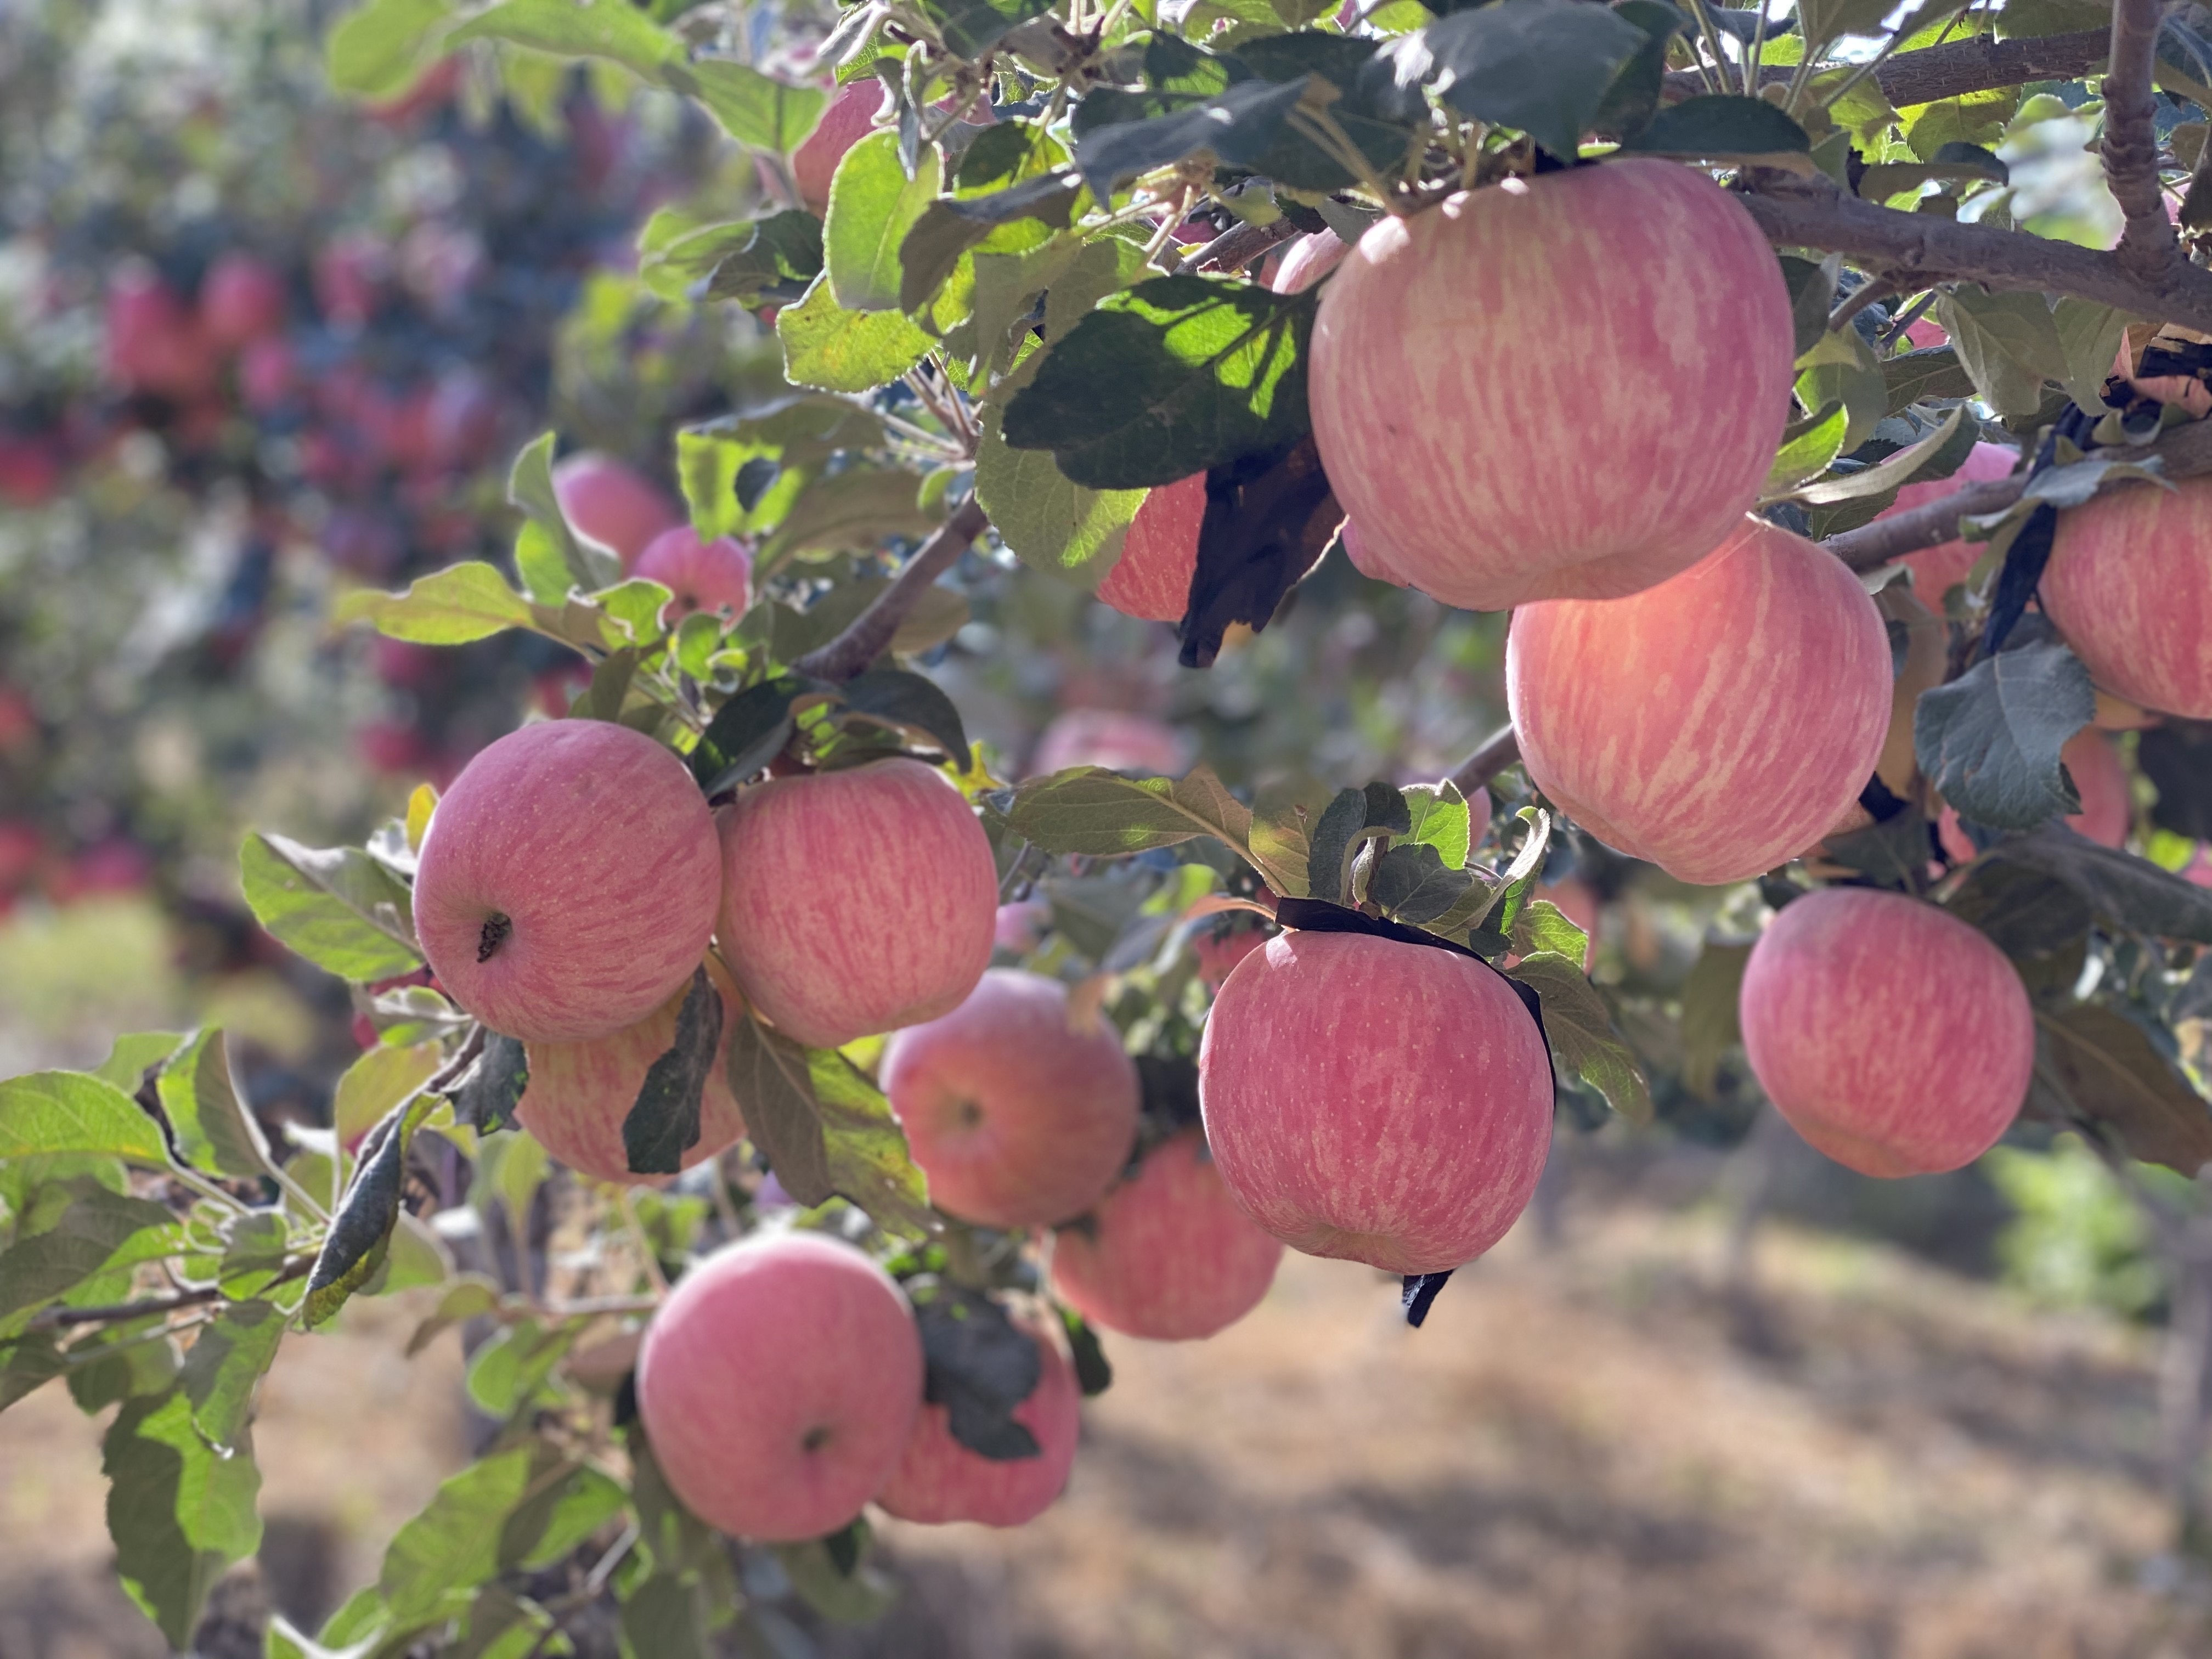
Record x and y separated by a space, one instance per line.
1956 66
53 1319
1497 752
867 635
1238 246
2149 249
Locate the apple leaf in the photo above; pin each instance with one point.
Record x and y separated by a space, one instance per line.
485 1098
1989 741
1542 926
980 1367
213 1129
2108 1071
1543 66
360 1233
1710 1026
1352 818
874 202
1092 811
663 1124
179 1511
834 349
908 704
1583 1039
457 605
337 907
47 1113
2125 892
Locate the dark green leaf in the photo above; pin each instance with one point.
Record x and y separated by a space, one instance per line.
179 1512
1719 128
907 703
1093 1374
1543 66
215 1131
1934 372
1237 126
1812 297
747 732
833 1579
337 907
1411 884
26 1365
361 1232
69 1112
2177 757
226 1360
1580 1028
970 28
1353 816
1990 740
1633 97
663 1124
779 260
99 1231
665 1615
2125 893
1893 852
980 1368
2114 1076
485 1098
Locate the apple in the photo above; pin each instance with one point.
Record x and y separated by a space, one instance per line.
2129 584
268 375
1387 1102
939 1480
22 844
1925 334
30 472
1021 927
1945 566
856 902
778 1385
569 882
849 117
153 342
1366 560
1452 398
714 575
1019 1116
1891 1035
1107 738
1308 259
611 503
578 1093
1159 554
241 299
350 273
1219 945
1166 1255
1717 724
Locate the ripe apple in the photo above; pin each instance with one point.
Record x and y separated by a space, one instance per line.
856 902
1308 259
350 273
1925 333
1107 738
1159 554
569 882
939 1480
22 844
716 575
1717 724
1221 947
268 373
578 1093
850 115
154 343
1020 927
1167 1254
1366 560
1936 568
30 472
609 502
1891 1035
2129 584
778 1385
241 299
1452 402
1019 1117
1382 1102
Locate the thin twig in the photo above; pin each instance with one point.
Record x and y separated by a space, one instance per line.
116 1313
1239 246
1866 293
868 634
1930 74
1500 750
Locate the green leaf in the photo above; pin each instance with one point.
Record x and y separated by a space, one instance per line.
970 28
2125 893
1100 814
51 1112
1747 131
382 1078
1122 135
134 1055
485 1097
378 49
980 1367
1841 368
179 1512
336 906
611 29
825 1129
1542 926
834 349
1973 118
665 1618
1543 66
1989 741
663 1123
214 1131
872 206
497 1513
748 732
27 1366
1050 522
1938 455
855 510
227 1361
1934 372
2008 343
1353 816
1437 816
777 261
2090 335
1410 884
256 1247
1710 1024
360 1233
98 1232
759 110
1812 297
457 605
910 704
1175 376
1809 446
1580 1029
130 1361
2113 1075
530 487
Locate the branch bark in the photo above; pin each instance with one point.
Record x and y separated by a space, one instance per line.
1239 246
2149 249
1957 67
1499 751
868 634
53 1319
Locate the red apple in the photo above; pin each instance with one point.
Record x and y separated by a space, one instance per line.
1019 1116
241 299
2107 800
1386 1103
856 902
1717 724
1936 568
1925 333
154 343
849 117
268 375
109 868
716 575
1308 259
1891 1034
1453 401
2129 584
1166 1255
609 502
1159 555
1020 927
778 1386
350 273
569 881
22 844
1366 560
1219 944
1107 738
578 1093
939 1480
30 472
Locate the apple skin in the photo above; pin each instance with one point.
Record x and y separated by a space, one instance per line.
1166 1255
1717 724
855 901
2129 584
609 502
596 845
939 1480
1385 1103
578 1093
1159 554
1018 1118
1891 1035
1936 568
778 1385
850 115
1308 259
1366 560
1925 334
1218 953
1107 738
1460 431
241 299
716 575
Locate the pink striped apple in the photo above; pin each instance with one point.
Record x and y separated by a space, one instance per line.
849 117
2129 584
940 1481
1453 402
1166 1255
1159 555
578 1093
856 902
1386 1103
1891 1035
1019 1116
569 881
1308 259
778 1385
1219 944
716 575
1717 724
1366 560
1936 568
1110 738
611 503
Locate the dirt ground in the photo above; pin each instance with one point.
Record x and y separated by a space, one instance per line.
1582 1454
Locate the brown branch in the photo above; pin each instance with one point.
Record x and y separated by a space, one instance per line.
1919 249
116 1313
2148 248
1238 246
867 635
1866 293
1956 66
1497 752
